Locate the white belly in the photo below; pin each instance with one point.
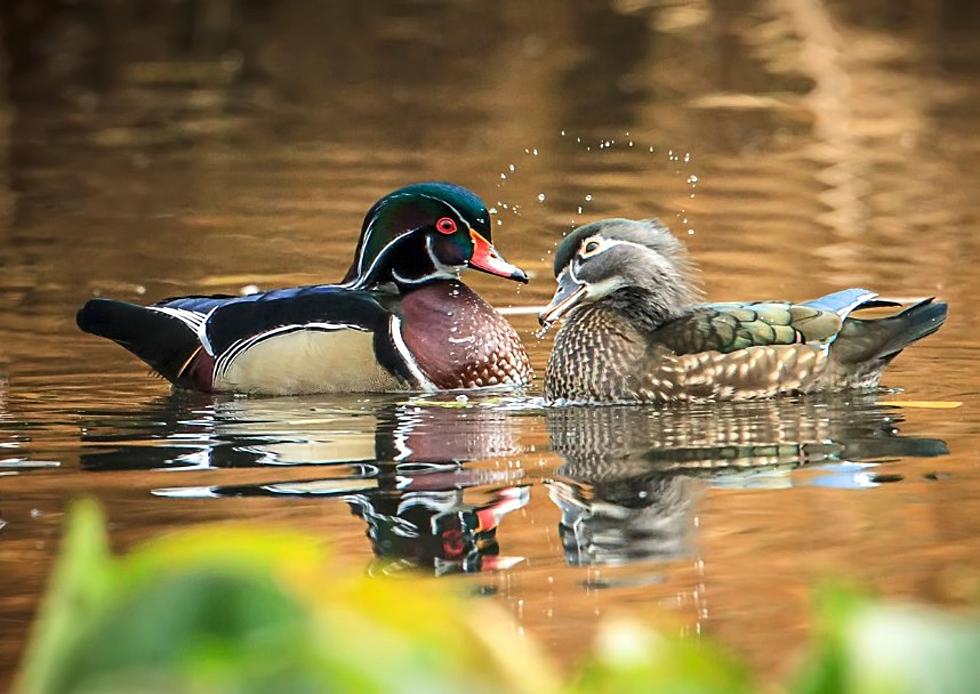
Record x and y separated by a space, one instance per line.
307 361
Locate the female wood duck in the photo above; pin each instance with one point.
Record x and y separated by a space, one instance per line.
400 320
637 333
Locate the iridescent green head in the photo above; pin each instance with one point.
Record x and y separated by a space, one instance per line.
423 232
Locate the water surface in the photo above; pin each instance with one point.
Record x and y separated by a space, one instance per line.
798 147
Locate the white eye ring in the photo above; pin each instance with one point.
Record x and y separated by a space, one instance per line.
591 247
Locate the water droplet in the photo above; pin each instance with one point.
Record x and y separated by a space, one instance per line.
580 209
588 198
492 210
512 167
563 133
534 152
690 232
540 197
503 176
500 221
631 143
692 179
651 149
687 156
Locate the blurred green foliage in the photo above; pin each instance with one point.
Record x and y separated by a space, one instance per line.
239 610
862 645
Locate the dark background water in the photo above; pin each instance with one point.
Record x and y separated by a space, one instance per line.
150 149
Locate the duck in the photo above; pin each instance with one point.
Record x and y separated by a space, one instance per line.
399 320
636 328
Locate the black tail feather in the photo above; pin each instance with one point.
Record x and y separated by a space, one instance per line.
862 340
162 341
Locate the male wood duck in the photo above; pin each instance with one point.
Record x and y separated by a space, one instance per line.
400 319
636 331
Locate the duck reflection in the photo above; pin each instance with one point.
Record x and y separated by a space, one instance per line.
398 465
437 528
629 482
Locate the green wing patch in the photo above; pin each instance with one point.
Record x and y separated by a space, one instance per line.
727 327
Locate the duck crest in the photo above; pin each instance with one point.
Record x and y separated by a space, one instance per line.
391 222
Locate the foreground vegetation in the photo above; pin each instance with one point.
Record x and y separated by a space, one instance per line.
242 610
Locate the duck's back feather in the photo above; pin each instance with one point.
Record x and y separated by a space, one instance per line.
729 327
845 301
245 317
307 339
200 304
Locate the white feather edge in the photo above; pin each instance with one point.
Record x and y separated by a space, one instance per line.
395 328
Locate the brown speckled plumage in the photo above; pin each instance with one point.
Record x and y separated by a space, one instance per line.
594 331
627 365
633 336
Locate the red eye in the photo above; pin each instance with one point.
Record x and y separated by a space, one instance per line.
446 225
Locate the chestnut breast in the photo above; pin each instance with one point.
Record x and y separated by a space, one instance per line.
459 341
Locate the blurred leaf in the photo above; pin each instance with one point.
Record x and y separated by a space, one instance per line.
631 658
866 647
249 610
81 587
237 609
208 629
236 545
427 632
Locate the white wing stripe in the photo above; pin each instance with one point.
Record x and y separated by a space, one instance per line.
192 319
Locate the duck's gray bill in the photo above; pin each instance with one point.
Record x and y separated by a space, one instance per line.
568 295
